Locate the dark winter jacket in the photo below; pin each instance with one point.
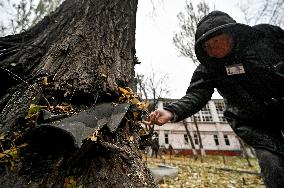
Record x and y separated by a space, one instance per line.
253 99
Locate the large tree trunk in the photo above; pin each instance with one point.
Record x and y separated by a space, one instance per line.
78 55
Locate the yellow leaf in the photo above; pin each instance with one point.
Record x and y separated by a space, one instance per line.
2 136
104 76
44 81
135 101
34 109
2 155
144 105
131 138
142 132
64 107
147 103
123 91
13 152
135 114
94 138
70 182
121 99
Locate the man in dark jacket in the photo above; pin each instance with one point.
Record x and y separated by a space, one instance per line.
246 66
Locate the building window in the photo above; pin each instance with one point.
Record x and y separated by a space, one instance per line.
216 140
196 139
166 138
197 117
206 114
207 118
186 141
220 106
227 141
222 118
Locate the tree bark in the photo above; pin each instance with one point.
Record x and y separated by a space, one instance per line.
79 55
202 152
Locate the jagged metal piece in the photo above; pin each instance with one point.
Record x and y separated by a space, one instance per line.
85 123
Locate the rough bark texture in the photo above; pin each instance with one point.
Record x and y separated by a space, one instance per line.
82 52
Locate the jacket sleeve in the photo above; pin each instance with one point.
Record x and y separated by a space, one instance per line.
198 94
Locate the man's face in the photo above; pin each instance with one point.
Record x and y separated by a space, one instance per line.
219 46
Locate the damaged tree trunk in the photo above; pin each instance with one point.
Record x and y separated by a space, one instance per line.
72 60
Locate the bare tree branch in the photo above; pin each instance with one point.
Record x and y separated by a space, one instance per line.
184 39
266 11
26 13
153 86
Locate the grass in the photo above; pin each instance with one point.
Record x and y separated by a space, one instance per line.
210 173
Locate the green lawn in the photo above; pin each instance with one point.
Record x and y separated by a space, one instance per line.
212 172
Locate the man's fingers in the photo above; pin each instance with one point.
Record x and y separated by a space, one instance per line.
153 115
158 115
155 118
147 122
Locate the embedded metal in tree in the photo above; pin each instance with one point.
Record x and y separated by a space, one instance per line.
84 124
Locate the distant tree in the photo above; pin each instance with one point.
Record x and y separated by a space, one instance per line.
190 139
200 143
155 5
25 13
185 38
264 11
154 86
244 148
141 86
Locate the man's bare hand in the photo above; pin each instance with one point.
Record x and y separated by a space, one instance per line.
159 117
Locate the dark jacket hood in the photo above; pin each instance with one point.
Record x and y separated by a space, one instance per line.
218 22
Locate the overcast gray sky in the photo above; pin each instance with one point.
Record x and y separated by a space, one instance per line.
154 45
